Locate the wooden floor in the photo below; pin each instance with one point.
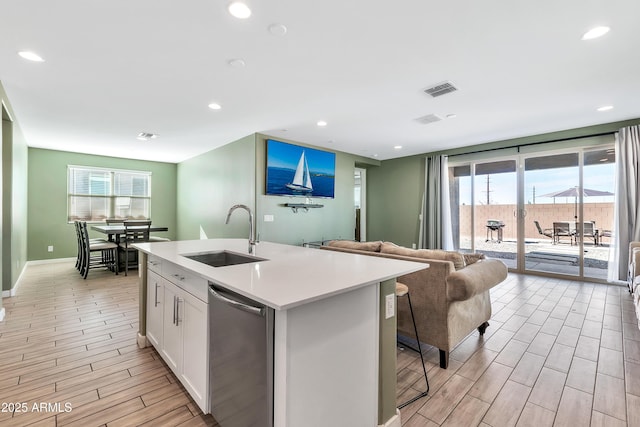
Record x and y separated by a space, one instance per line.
557 353
68 346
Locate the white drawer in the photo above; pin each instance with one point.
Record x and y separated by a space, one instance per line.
195 285
154 263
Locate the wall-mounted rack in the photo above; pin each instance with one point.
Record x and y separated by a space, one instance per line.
306 206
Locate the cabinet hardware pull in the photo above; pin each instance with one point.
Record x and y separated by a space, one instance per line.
178 319
179 277
156 301
174 309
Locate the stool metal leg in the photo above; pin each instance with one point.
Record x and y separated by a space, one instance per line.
424 369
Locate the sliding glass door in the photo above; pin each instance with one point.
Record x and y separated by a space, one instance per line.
550 213
551 186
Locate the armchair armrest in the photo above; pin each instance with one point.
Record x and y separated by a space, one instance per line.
475 279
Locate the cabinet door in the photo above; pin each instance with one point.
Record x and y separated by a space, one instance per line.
172 337
193 317
155 293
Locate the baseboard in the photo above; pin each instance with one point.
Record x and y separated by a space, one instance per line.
393 421
142 341
1 314
12 292
50 261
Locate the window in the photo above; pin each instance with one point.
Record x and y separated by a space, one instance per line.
95 194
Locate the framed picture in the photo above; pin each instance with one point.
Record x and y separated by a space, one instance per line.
293 170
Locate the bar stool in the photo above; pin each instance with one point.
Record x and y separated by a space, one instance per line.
401 291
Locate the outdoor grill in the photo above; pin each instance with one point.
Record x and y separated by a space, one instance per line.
494 225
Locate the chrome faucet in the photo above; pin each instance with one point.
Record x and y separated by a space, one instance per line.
252 241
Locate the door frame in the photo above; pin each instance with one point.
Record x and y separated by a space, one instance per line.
521 212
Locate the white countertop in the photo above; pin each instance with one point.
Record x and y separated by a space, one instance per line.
290 276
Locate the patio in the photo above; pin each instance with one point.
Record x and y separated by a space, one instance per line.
540 252
543 255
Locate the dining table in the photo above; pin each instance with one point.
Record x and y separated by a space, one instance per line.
114 231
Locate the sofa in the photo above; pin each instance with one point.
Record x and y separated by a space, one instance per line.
450 298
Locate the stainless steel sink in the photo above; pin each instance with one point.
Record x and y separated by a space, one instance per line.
223 258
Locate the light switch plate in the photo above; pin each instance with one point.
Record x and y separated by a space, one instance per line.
390 306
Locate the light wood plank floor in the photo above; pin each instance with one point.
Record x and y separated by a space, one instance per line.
557 353
70 344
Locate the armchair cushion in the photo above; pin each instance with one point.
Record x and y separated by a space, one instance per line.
472 258
475 279
456 258
359 246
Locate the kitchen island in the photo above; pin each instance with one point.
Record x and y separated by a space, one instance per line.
333 330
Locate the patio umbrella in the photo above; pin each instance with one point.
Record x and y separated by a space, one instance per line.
575 192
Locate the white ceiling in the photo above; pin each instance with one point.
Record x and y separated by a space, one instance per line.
116 68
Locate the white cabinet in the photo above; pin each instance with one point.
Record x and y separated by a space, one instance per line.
172 342
178 327
193 318
155 296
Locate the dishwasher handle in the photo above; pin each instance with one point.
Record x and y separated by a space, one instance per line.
259 311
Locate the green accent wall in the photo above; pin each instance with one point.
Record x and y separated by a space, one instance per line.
14 197
209 184
336 220
395 189
387 373
394 195
47 198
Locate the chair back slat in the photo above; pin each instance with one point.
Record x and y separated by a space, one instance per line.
136 231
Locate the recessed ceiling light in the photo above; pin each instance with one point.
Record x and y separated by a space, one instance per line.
398 147
321 123
277 29
375 155
451 116
145 136
236 63
31 56
605 108
215 106
239 10
596 32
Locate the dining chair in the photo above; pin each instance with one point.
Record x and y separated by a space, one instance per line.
158 238
135 231
114 221
96 253
76 224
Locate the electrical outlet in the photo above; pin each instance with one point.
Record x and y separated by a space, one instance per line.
413 245
268 218
49 248
390 306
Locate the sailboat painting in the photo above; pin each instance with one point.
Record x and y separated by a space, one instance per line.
293 170
302 179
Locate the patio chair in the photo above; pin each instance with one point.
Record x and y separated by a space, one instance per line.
546 232
563 229
589 230
602 234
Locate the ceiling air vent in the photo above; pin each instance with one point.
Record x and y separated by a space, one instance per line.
429 118
441 89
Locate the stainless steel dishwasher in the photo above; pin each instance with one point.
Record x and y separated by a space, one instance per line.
240 359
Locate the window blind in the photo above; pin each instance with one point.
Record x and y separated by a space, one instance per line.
95 194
